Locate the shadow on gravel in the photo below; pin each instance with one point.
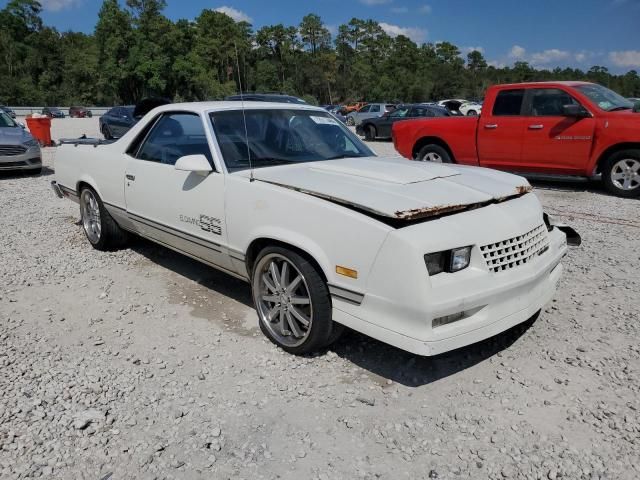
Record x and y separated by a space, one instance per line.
14 174
414 371
195 271
568 185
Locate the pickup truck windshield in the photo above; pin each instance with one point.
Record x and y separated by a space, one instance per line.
282 136
604 98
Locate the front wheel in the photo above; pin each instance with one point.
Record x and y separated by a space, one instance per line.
106 132
351 121
433 153
292 301
101 229
370 133
621 173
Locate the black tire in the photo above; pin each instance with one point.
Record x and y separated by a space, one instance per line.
111 235
432 149
472 113
321 329
612 167
106 132
350 121
89 114
370 133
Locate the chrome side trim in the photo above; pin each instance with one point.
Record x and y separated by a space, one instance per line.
70 193
56 189
346 295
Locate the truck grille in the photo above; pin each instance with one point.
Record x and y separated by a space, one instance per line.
517 250
11 150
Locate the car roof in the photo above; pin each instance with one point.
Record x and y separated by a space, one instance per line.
207 107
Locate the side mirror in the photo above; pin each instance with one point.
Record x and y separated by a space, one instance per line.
194 163
574 110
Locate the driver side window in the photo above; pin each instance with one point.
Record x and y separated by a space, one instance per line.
174 136
548 102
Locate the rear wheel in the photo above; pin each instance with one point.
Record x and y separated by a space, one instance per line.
621 173
101 229
472 113
292 301
370 133
434 153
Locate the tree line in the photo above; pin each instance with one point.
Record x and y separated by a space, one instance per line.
135 52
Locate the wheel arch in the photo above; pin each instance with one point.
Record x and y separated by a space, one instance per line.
611 150
87 182
259 243
432 141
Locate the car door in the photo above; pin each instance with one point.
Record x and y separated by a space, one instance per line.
500 131
552 141
374 112
385 123
179 209
361 114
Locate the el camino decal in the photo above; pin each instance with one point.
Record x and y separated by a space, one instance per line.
205 222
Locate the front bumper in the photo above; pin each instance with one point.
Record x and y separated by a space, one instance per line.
406 308
30 160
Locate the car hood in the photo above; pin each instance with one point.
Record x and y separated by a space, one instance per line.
14 136
395 188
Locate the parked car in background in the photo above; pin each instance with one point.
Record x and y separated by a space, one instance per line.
53 112
380 127
461 107
336 110
80 112
18 149
553 128
371 110
117 121
8 111
326 233
266 97
352 107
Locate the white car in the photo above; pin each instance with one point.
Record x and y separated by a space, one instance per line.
422 256
462 107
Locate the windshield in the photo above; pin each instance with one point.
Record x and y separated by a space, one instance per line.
282 136
6 120
604 98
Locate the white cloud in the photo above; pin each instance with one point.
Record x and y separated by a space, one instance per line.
471 49
374 2
400 10
416 34
625 58
425 9
237 15
517 52
549 56
57 5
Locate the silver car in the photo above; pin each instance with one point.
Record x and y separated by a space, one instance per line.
18 149
371 110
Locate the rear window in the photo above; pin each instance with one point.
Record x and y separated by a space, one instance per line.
508 103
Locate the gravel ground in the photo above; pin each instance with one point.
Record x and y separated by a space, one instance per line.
144 364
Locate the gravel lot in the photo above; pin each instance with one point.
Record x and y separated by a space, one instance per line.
144 364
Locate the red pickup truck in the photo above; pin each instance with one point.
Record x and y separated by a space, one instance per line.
558 128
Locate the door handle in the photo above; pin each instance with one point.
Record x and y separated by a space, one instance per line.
536 127
491 126
131 177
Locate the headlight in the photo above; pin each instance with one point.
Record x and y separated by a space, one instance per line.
31 143
448 261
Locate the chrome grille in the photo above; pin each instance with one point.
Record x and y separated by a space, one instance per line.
516 251
11 150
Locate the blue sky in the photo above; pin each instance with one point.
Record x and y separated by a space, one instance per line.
546 33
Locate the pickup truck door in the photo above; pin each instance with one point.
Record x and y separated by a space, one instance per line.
554 142
500 131
179 209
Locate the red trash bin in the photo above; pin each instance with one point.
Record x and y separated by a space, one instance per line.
40 128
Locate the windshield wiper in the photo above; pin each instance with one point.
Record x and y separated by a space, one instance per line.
615 109
343 155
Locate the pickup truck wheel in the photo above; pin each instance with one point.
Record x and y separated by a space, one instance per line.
621 173
101 229
433 153
370 133
292 301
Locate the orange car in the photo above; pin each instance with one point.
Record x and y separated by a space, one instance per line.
352 107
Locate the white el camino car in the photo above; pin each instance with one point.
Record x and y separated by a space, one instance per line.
422 256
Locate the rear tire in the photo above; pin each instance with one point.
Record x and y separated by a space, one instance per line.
621 173
101 229
370 133
294 307
433 153
472 113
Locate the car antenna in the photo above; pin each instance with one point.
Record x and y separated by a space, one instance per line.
244 116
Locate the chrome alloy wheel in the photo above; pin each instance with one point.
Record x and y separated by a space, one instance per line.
432 157
625 174
282 299
90 212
